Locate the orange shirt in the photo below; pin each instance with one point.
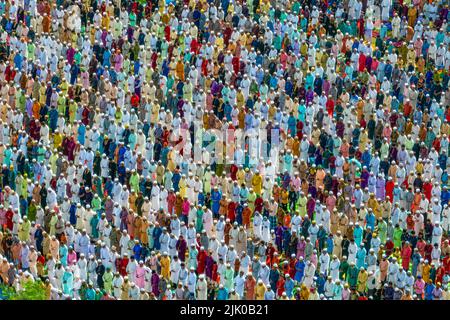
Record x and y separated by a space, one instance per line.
246 215
36 110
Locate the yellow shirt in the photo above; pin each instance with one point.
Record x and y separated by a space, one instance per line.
182 186
284 196
260 290
240 175
257 183
419 167
362 280
105 22
426 273
165 267
57 140
243 39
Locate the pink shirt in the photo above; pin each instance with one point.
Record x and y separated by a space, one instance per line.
71 258
140 277
185 207
419 286
296 183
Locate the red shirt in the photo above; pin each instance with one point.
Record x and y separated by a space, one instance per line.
259 204
205 67
236 64
167 33
231 213
446 263
292 270
362 62
270 251
440 274
214 272
233 172
195 47
330 107
390 190
9 223
41 259
135 100
201 261
437 144
123 266
389 246
427 186
280 286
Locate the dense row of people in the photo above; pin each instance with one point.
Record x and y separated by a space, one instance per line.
225 150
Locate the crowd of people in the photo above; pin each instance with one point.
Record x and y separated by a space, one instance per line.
225 149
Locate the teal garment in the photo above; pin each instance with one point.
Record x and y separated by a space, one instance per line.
132 140
225 91
164 48
98 186
187 57
41 154
132 19
94 223
247 160
353 28
309 81
101 139
294 34
229 277
7 157
349 72
68 283
63 252
222 294
193 258
288 162
440 38
361 258
338 292
295 7
383 31
90 294
390 48
12 180
304 24
441 113
342 26
395 104
164 154
272 14
168 179
169 84
302 113
429 139
199 222
358 235
352 276
29 171
277 42
263 90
